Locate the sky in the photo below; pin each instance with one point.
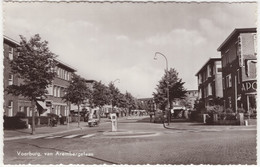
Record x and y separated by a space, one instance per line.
109 41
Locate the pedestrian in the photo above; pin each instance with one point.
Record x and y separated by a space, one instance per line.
151 117
61 120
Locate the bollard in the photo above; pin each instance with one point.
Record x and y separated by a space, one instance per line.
204 118
241 118
246 122
114 122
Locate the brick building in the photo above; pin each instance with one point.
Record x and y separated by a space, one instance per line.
53 102
238 56
11 102
209 81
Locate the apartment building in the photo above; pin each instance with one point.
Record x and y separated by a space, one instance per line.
239 61
209 81
52 103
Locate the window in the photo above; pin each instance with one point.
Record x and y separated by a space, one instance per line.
65 75
223 82
11 79
10 108
21 109
68 76
58 71
209 89
239 51
49 89
250 68
255 42
11 53
54 91
200 78
228 81
229 102
58 92
209 70
238 76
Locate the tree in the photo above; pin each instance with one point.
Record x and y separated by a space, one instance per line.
101 94
77 92
130 102
176 89
34 65
114 95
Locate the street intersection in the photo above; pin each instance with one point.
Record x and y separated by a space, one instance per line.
138 141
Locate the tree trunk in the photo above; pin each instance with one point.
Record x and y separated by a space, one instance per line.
33 117
68 116
78 116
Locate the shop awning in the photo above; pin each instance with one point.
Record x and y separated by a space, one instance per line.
42 104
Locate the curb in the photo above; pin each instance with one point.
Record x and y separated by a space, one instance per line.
214 129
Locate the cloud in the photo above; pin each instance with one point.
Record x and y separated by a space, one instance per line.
177 37
109 41
122 37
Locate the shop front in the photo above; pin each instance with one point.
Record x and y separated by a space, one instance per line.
249 89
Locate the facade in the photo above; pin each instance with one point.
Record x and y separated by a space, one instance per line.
52 103
239 59
209 81
11 103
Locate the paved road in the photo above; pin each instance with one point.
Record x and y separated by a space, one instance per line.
138 142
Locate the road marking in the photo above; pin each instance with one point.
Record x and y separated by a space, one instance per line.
37 137
70 136
87 136
52 137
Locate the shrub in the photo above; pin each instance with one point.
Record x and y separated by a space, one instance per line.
53 115
216 109
241 110
20 115
229 110
14 123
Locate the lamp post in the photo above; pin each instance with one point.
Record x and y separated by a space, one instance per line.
167 85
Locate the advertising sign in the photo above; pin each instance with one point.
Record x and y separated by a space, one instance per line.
249 86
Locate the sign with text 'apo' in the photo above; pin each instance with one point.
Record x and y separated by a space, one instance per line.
249 86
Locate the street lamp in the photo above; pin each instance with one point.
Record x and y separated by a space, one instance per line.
167 84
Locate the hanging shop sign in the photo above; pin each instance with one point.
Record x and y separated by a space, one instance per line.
249 86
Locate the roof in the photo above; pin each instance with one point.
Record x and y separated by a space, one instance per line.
234 33
90 81
59 61
210 60
65 65
11 40
145 99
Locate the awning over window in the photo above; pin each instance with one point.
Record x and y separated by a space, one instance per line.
42 104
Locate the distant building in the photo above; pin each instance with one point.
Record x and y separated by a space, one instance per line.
239 59
52 103
191 97
209 81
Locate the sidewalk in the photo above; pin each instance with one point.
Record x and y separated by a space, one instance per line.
43 131
203 127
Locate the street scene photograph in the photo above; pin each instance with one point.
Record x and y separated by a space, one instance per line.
129 83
